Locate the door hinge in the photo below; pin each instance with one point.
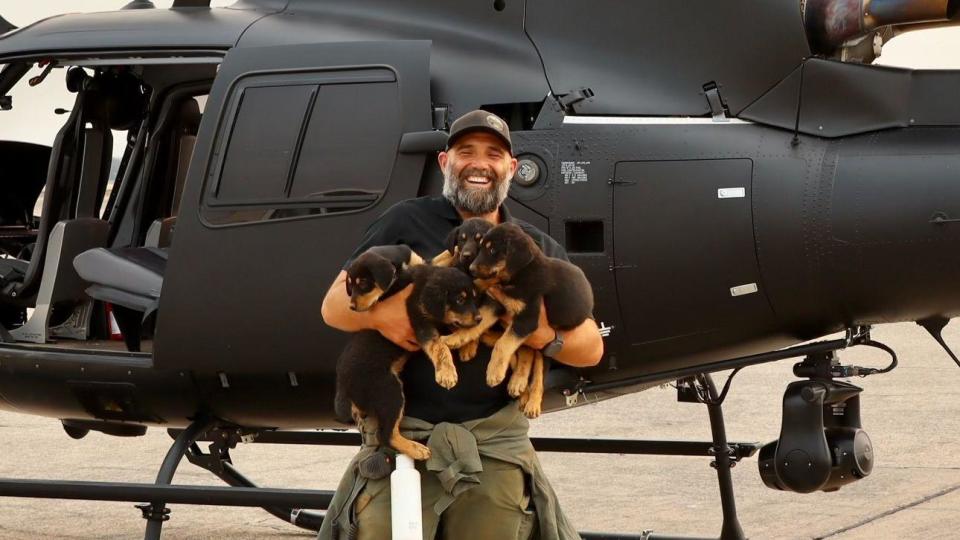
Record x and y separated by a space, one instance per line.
718 109
566 100
620 182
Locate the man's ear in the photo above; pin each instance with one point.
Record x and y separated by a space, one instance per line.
442 159
383 273
434 300
519 253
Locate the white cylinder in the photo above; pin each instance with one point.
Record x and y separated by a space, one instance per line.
405 501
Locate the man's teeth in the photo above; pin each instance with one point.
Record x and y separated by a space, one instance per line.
478 180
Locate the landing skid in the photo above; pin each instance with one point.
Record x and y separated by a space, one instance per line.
299 506
725 457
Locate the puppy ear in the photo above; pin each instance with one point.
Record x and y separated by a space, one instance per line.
434 300
519 252
451 241
383 273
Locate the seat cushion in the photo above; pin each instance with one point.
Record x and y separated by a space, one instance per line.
136 270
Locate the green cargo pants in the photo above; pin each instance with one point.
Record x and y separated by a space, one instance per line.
497 509
481 482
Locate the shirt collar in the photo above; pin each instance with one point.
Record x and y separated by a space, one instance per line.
445 208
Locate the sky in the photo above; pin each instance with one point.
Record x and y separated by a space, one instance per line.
926 49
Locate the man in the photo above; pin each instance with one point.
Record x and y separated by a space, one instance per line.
483 477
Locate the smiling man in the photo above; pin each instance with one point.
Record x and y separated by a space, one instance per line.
483 480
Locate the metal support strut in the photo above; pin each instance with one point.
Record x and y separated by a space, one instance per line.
722 463
701 389
157 512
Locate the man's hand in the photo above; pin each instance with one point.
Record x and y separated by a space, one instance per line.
544 333
389 317
582 346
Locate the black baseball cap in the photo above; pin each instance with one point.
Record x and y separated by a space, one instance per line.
479 121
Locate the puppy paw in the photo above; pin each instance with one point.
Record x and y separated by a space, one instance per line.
499 362
518 384
469 351
523 398
532 408
446 376
417 451
495 375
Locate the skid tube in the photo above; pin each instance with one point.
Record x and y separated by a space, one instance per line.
298 506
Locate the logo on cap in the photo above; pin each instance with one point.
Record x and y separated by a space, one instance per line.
494 122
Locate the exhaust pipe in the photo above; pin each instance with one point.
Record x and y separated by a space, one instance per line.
831 23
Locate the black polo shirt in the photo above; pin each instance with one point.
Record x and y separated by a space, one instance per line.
423 224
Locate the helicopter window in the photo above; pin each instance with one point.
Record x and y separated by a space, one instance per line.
261 145
301 144
341 146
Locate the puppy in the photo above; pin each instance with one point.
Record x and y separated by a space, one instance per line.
442 299
368 384
463 245
368 368
525 277
377 271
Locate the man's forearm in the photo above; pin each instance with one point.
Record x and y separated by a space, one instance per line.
582 346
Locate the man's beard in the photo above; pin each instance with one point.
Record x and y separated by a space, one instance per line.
474 200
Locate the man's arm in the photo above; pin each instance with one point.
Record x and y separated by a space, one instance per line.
389 316
582 346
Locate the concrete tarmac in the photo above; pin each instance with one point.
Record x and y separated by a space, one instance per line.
911 415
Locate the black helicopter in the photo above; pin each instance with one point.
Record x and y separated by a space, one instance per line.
732 186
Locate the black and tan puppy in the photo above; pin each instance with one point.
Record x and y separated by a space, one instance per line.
463 242
376 271
443 299
526 276
368 384
368 368
463 246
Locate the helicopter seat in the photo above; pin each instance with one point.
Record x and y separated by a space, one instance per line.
130 279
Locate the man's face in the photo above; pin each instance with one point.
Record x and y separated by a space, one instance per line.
477 172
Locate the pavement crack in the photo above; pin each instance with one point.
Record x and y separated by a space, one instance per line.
890 512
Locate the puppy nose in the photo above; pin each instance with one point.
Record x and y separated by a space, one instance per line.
353 307
467 254
477 318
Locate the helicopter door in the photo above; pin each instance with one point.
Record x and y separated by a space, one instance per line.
685 254
299 150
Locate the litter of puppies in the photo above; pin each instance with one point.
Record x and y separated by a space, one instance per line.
487 274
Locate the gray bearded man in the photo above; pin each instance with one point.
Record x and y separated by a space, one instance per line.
483 479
